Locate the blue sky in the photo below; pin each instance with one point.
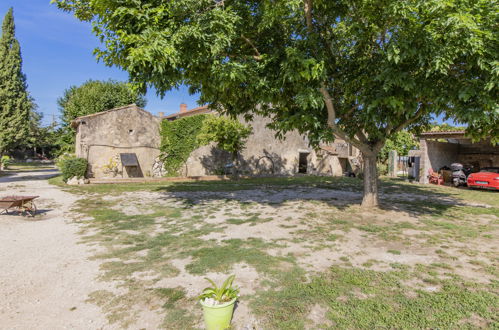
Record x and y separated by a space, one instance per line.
57 52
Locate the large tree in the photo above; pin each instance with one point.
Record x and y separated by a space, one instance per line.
91 97
15 101
362 70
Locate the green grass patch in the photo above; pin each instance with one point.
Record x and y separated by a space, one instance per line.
382 303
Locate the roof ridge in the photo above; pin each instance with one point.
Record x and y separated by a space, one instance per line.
75 122
187 112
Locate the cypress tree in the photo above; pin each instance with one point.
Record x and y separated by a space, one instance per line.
15 102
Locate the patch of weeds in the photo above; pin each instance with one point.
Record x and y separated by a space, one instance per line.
431 280
312 215
384 302
333 237
397 252
252 220
179 318
369 263
220 258
171 295
287 226
441 265
397 265
370 228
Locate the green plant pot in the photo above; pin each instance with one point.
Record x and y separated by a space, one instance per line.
218 317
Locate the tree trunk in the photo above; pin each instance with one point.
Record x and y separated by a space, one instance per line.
370 198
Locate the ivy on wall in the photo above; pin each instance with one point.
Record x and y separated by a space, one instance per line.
179 138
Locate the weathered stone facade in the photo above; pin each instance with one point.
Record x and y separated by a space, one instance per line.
264 154
102 137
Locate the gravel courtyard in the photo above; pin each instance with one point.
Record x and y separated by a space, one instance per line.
304 254
46 276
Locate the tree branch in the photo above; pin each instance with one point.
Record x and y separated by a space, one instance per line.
331 122
308 14
349 112
409 121
258 55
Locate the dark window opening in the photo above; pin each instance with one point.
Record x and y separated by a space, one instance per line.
130 131
303 162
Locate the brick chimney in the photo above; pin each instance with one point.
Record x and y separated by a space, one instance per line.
183 107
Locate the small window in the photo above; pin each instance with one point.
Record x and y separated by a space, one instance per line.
130 131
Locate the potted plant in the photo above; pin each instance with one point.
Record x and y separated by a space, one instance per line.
218 304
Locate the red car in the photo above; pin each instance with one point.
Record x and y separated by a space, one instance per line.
487 178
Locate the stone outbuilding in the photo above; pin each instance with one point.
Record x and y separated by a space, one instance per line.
121 142
125 142
439 149
264 154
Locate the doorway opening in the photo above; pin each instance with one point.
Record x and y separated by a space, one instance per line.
303 162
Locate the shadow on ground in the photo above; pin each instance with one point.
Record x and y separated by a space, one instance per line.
342 193
16 176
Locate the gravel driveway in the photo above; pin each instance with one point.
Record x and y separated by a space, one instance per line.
45 275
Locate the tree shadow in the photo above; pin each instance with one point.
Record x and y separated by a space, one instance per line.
267 163
16 176
341 193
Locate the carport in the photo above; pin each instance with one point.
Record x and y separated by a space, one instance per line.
439 149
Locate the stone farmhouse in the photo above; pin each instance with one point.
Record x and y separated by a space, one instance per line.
109 139
124 142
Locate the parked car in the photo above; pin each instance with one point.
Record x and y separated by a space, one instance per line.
487 178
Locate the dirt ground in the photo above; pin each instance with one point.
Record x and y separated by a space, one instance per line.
137 259
45 275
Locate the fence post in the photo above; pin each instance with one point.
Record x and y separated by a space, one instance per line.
392 164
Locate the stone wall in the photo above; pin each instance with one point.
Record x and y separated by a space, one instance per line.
103 136
435 155
264 154
481 154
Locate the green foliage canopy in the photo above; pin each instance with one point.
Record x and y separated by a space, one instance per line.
92 97
229 134
384 65
16 104
444 127
362 70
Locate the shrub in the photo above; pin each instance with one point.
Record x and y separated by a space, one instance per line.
382 169
229 134
5 161
59 161
73 167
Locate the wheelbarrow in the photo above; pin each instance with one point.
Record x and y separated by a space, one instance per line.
24 205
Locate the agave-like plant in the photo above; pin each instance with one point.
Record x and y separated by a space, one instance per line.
222 294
